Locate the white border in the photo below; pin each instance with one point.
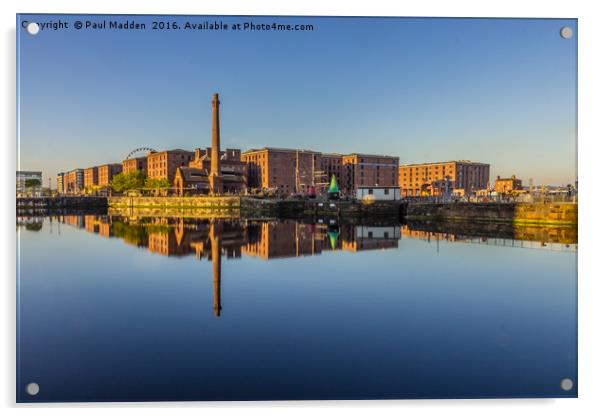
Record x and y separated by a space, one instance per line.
590 69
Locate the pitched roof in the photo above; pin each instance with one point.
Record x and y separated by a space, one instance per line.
190 174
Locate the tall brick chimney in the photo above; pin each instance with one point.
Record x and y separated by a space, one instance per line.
215 180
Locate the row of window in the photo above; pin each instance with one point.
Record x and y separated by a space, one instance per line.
371 191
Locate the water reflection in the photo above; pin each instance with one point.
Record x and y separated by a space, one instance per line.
212 239
273 239
291 309
266 240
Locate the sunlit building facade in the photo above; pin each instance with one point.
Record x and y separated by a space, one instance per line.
432 179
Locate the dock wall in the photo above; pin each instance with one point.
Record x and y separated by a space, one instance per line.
549 213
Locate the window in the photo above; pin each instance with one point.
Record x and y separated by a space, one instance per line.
386 192
370 191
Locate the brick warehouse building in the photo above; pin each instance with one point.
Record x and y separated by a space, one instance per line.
134 164
504 185
106 173
286 171
163 165
90 177
332 164
73 181
464 176
293 171
368 170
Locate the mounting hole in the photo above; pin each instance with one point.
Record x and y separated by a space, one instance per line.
566 384
32 389
33 28
566 32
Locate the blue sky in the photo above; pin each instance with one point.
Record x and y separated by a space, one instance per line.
499 91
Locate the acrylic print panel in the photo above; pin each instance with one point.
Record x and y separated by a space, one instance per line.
277 208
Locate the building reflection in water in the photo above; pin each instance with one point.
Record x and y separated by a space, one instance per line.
213 239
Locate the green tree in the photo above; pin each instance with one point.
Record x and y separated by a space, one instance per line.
32 183
157 183
118 183
126 181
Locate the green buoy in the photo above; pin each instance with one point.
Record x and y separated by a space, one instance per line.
333 190
333 237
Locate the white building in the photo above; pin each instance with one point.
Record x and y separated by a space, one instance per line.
378 232
23 176
378 193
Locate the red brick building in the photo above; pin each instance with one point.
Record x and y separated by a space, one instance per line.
106 173
163 165
285 171
331 164
134 164
73 181
90 177
425 179
506 185
289 171
368 170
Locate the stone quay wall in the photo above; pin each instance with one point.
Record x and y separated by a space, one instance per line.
563 214
62 202
167 202
293 208
316 208
549 213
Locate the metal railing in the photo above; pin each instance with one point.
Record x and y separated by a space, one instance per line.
502 199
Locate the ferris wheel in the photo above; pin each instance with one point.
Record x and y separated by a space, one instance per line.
140 150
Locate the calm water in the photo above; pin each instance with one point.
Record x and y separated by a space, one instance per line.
115 308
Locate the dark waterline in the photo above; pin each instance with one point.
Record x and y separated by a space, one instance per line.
143 309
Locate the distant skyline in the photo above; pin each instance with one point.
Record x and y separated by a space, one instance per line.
497 91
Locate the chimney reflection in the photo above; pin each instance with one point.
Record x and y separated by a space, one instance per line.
215 233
